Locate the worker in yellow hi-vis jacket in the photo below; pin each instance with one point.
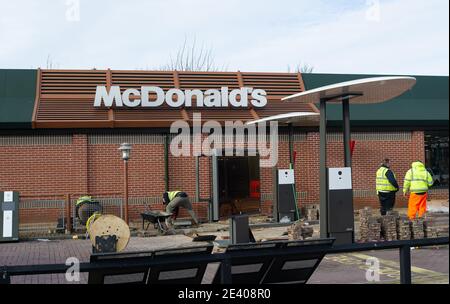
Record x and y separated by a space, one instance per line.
176 199
417 181
387 187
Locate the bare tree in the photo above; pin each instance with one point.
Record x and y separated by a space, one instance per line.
49 64
301 68
191 58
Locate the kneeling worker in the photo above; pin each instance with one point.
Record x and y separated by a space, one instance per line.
176 199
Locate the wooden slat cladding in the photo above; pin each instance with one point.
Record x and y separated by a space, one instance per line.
157 114
57 84
275 107
222 114
205 81
277 85
63 109
65 97
136 79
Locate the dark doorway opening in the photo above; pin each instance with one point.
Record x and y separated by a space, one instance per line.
437 157
239 185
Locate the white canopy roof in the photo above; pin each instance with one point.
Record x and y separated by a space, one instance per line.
371 90
294 118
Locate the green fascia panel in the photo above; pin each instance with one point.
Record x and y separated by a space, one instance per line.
17 96
426 104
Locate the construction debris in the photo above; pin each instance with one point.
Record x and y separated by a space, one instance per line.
312 213
300 231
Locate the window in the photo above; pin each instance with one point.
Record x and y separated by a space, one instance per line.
436 157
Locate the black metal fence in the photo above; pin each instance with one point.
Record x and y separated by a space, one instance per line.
227 259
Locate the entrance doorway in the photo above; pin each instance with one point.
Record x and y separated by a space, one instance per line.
238 185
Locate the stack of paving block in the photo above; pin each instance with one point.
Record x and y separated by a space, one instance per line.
365 213
436 225
429 231
370 226
364 216
404 229
428 228
417 229
389 227
374 228
300 231
393 213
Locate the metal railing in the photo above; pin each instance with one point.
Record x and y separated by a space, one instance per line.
47 214
111 203
6 272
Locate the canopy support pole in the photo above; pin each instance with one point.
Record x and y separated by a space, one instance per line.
323 170
346 119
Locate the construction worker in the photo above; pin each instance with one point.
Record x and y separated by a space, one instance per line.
417 181
85 207
387 187
176 199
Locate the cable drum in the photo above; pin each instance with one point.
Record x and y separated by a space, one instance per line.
110 225
86 209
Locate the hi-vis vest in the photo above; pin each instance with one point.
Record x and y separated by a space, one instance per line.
83 199
382 182
417 179
172 194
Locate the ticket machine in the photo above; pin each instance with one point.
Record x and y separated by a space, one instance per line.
9 216
285 195
340 205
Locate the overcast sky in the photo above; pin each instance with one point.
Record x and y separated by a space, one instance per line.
334 36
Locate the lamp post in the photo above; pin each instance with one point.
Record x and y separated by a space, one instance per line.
125 148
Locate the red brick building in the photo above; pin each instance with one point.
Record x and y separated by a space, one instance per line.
55 145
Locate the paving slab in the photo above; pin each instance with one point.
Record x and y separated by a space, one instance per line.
430 265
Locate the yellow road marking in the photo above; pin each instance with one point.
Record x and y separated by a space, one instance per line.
391 269
361 264
397 265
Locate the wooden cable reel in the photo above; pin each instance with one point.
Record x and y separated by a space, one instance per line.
106 225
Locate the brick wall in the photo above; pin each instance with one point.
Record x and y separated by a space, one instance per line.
402 148
75 165
41 168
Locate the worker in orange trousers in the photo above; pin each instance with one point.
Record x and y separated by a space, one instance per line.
417 181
